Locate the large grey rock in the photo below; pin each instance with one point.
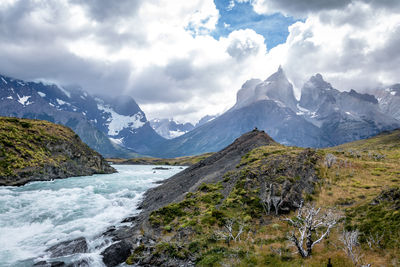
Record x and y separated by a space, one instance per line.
116 253
69 247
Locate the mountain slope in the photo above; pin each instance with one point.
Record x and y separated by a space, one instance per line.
34 150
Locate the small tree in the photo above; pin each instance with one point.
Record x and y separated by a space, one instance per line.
330 159
351 247
310 227
230 232
269 199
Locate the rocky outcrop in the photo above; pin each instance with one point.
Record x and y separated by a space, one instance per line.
34 150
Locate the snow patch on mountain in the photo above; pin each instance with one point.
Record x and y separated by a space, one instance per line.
61 102
4 81
41 94
24 100
174 134
117 122
118 141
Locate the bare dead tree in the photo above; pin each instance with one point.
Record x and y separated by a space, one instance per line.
330 159
266 198
269 199
277 201
352 247
310 227
375 240
229 232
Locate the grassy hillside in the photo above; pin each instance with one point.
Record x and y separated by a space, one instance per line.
40 150
359 181
180 161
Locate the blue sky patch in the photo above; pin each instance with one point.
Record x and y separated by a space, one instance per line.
274 27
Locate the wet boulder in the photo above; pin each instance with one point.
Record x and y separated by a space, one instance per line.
116 253
69 247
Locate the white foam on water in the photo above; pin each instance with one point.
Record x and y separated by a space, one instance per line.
40 214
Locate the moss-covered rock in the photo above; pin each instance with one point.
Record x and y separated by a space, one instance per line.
35 150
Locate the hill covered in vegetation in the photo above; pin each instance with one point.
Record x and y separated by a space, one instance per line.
35 150
252 214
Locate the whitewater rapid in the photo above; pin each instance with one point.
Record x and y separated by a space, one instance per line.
38 215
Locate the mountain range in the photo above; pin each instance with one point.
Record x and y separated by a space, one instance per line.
114 126
322 117
117 127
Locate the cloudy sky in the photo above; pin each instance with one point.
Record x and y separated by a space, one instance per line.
186 59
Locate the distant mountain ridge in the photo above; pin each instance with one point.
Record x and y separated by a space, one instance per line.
322 117
114 126
169 129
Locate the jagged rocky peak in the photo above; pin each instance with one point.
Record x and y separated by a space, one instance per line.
205 119
363 97
278 88
315 91
246 95
124 105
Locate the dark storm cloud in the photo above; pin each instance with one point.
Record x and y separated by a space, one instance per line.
102 10
55 64
32 48
180 69
301 8
17 24
178 81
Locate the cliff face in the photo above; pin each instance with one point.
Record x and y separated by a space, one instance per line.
35 150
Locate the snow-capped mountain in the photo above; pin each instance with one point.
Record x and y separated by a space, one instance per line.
323 117
112 126
389 100
342 116
168 128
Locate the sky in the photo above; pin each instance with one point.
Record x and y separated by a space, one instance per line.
186 59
